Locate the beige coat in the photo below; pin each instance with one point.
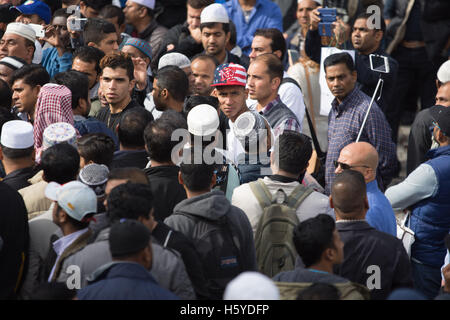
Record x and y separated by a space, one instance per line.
34 196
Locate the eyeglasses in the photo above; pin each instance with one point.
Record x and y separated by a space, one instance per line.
345 166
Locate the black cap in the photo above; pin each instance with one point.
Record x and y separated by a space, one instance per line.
441 115
128 237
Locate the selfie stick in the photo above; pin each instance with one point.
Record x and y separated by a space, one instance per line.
380 81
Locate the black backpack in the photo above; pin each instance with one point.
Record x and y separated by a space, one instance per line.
219 250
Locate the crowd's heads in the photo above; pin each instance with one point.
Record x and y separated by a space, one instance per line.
317 241
8 65
251 285
443 74
95 176
102 35
443 95
171 84
203 121
114 15
194 101
441 130
5 95
359 156
215 28
95 148
137 10
179 60
78 84
59 132
87 60
131 128
59 22
203 67
19 41
17 140
91 8
138 48
265 74
194 10
304 8
268 40
291 153
348 195
158 136
366 39
340 74
60 163
196 177
36 12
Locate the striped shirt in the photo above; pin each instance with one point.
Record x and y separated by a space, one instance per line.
280 117
344 123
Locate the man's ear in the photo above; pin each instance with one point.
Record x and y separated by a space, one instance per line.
214 93
122 28
180 178
276 82
142 12
92 44
132 84
277 53
36 90
331 202
379 35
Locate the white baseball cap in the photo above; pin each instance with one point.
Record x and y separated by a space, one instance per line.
146 3
443 73
76 198
22 30
251 286
174 59
214 13
203 120
17 134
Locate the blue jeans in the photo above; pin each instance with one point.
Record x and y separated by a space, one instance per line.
427 279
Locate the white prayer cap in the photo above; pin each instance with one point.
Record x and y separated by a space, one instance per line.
443 73
146 3
251 286
17 134
203 120
214 13
59 132
174 59
22 30
319 2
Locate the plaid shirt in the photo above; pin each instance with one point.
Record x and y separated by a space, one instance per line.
290 122
344 123
54 104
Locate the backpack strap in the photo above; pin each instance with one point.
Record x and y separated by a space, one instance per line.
261 193
297 196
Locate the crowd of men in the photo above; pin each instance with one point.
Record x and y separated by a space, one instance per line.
154 151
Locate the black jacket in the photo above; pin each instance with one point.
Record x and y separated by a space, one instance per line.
166 189
14 234
132 158
366 250
18 179
167 237
181 38
112 120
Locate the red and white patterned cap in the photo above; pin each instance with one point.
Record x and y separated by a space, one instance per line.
230 74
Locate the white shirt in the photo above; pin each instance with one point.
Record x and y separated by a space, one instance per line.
62 244
291 96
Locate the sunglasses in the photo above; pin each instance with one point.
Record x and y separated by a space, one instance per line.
345 166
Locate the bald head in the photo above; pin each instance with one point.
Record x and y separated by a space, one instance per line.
360 156
348 195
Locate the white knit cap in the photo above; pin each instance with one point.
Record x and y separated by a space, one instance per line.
174 59
203 120
251 286
17 134
214 13
146 3
22 30
443 73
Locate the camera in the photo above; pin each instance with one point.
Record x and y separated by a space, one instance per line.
77 24
327 17
379 63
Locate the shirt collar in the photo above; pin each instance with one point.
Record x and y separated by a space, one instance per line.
269 106
372 185
62 243
344 104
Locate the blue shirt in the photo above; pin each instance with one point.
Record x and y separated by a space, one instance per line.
265 14
53 63
344 123
380 214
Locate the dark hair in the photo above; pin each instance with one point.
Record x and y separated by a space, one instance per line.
132 126
367 16
194 101
158 137
89 55
96 29
277 40
96 4
130 201
77 82
292 151
5 116
274 65
5 95
7 15
130 174
225 26
111 11
61 12
31 74
233 34
319 291
11 153
119 60
351 193
96 147
199 4
312 237
174 80
196 177
60 163
53 291
339 58
205 57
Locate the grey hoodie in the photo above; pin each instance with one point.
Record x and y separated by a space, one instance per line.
212 206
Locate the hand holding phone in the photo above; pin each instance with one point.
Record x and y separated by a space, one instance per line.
327 17
38 29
